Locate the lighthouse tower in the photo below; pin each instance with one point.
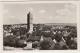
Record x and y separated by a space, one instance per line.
29 22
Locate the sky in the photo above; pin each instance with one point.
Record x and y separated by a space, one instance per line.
41 13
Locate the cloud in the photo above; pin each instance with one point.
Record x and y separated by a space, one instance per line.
42 11
67 14
69 10
30 9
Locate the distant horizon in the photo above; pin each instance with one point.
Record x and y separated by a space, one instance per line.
41 23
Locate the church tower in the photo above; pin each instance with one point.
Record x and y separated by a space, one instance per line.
29 22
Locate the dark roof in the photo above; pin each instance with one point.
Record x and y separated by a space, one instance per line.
34 38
